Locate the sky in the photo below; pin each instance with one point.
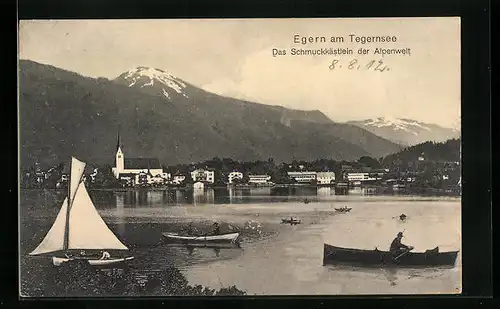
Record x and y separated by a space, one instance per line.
234 58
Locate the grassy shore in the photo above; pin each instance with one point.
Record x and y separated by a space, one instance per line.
81 279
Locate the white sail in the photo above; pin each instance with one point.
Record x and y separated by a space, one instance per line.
87 230
54 240
77 169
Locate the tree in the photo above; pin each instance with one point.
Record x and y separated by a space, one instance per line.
369 162
189 179
29 179
105 178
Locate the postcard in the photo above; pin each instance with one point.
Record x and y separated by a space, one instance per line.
188 157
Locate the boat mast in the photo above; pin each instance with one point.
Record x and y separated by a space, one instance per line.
66 226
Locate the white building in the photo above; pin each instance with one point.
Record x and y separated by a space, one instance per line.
134 165
325 178
157 179
302 176
234 175
258 179
198 185
203 175
360 177
178 179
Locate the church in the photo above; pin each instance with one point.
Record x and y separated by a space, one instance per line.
132 167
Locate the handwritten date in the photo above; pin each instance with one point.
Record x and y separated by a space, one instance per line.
354 64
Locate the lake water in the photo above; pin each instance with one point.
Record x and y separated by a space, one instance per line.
274 258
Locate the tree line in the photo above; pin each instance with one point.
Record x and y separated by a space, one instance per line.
439 159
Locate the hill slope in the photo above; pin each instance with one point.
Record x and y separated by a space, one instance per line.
63 114
448 151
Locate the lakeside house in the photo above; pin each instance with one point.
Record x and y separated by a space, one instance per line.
234 175
303 176
178 179
259 179
202 175
325 178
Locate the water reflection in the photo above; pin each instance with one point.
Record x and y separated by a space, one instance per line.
325 191
264 191
120 212
341 191
209 196
362 191
391 275
179 197
203 196
355 191
154 197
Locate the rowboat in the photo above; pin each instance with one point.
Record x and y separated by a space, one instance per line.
291 221
223 238
346 209
79 227
209 245
429 258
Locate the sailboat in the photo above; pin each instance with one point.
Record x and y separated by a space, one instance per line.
79 227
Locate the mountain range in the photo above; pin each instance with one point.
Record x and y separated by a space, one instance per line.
159 115
406 132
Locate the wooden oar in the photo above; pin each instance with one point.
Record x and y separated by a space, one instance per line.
404 253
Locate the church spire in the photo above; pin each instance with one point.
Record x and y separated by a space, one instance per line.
118 142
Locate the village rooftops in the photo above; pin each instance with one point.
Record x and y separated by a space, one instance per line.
141 163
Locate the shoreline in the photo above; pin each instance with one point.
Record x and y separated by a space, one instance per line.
378 190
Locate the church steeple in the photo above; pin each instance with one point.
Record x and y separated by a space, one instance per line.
118 142
119 158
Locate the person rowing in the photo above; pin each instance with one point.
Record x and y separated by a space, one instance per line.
216 231
398 248
190 229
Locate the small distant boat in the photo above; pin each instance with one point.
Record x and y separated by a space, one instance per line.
402 217
429 258
79 227
398 186
291 221
343 209
222 238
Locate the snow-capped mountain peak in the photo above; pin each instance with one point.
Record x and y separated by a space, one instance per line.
406 131
407 125
148 77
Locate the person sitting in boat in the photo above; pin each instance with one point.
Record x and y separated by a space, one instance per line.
105 255
397 247
216 231
190 229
